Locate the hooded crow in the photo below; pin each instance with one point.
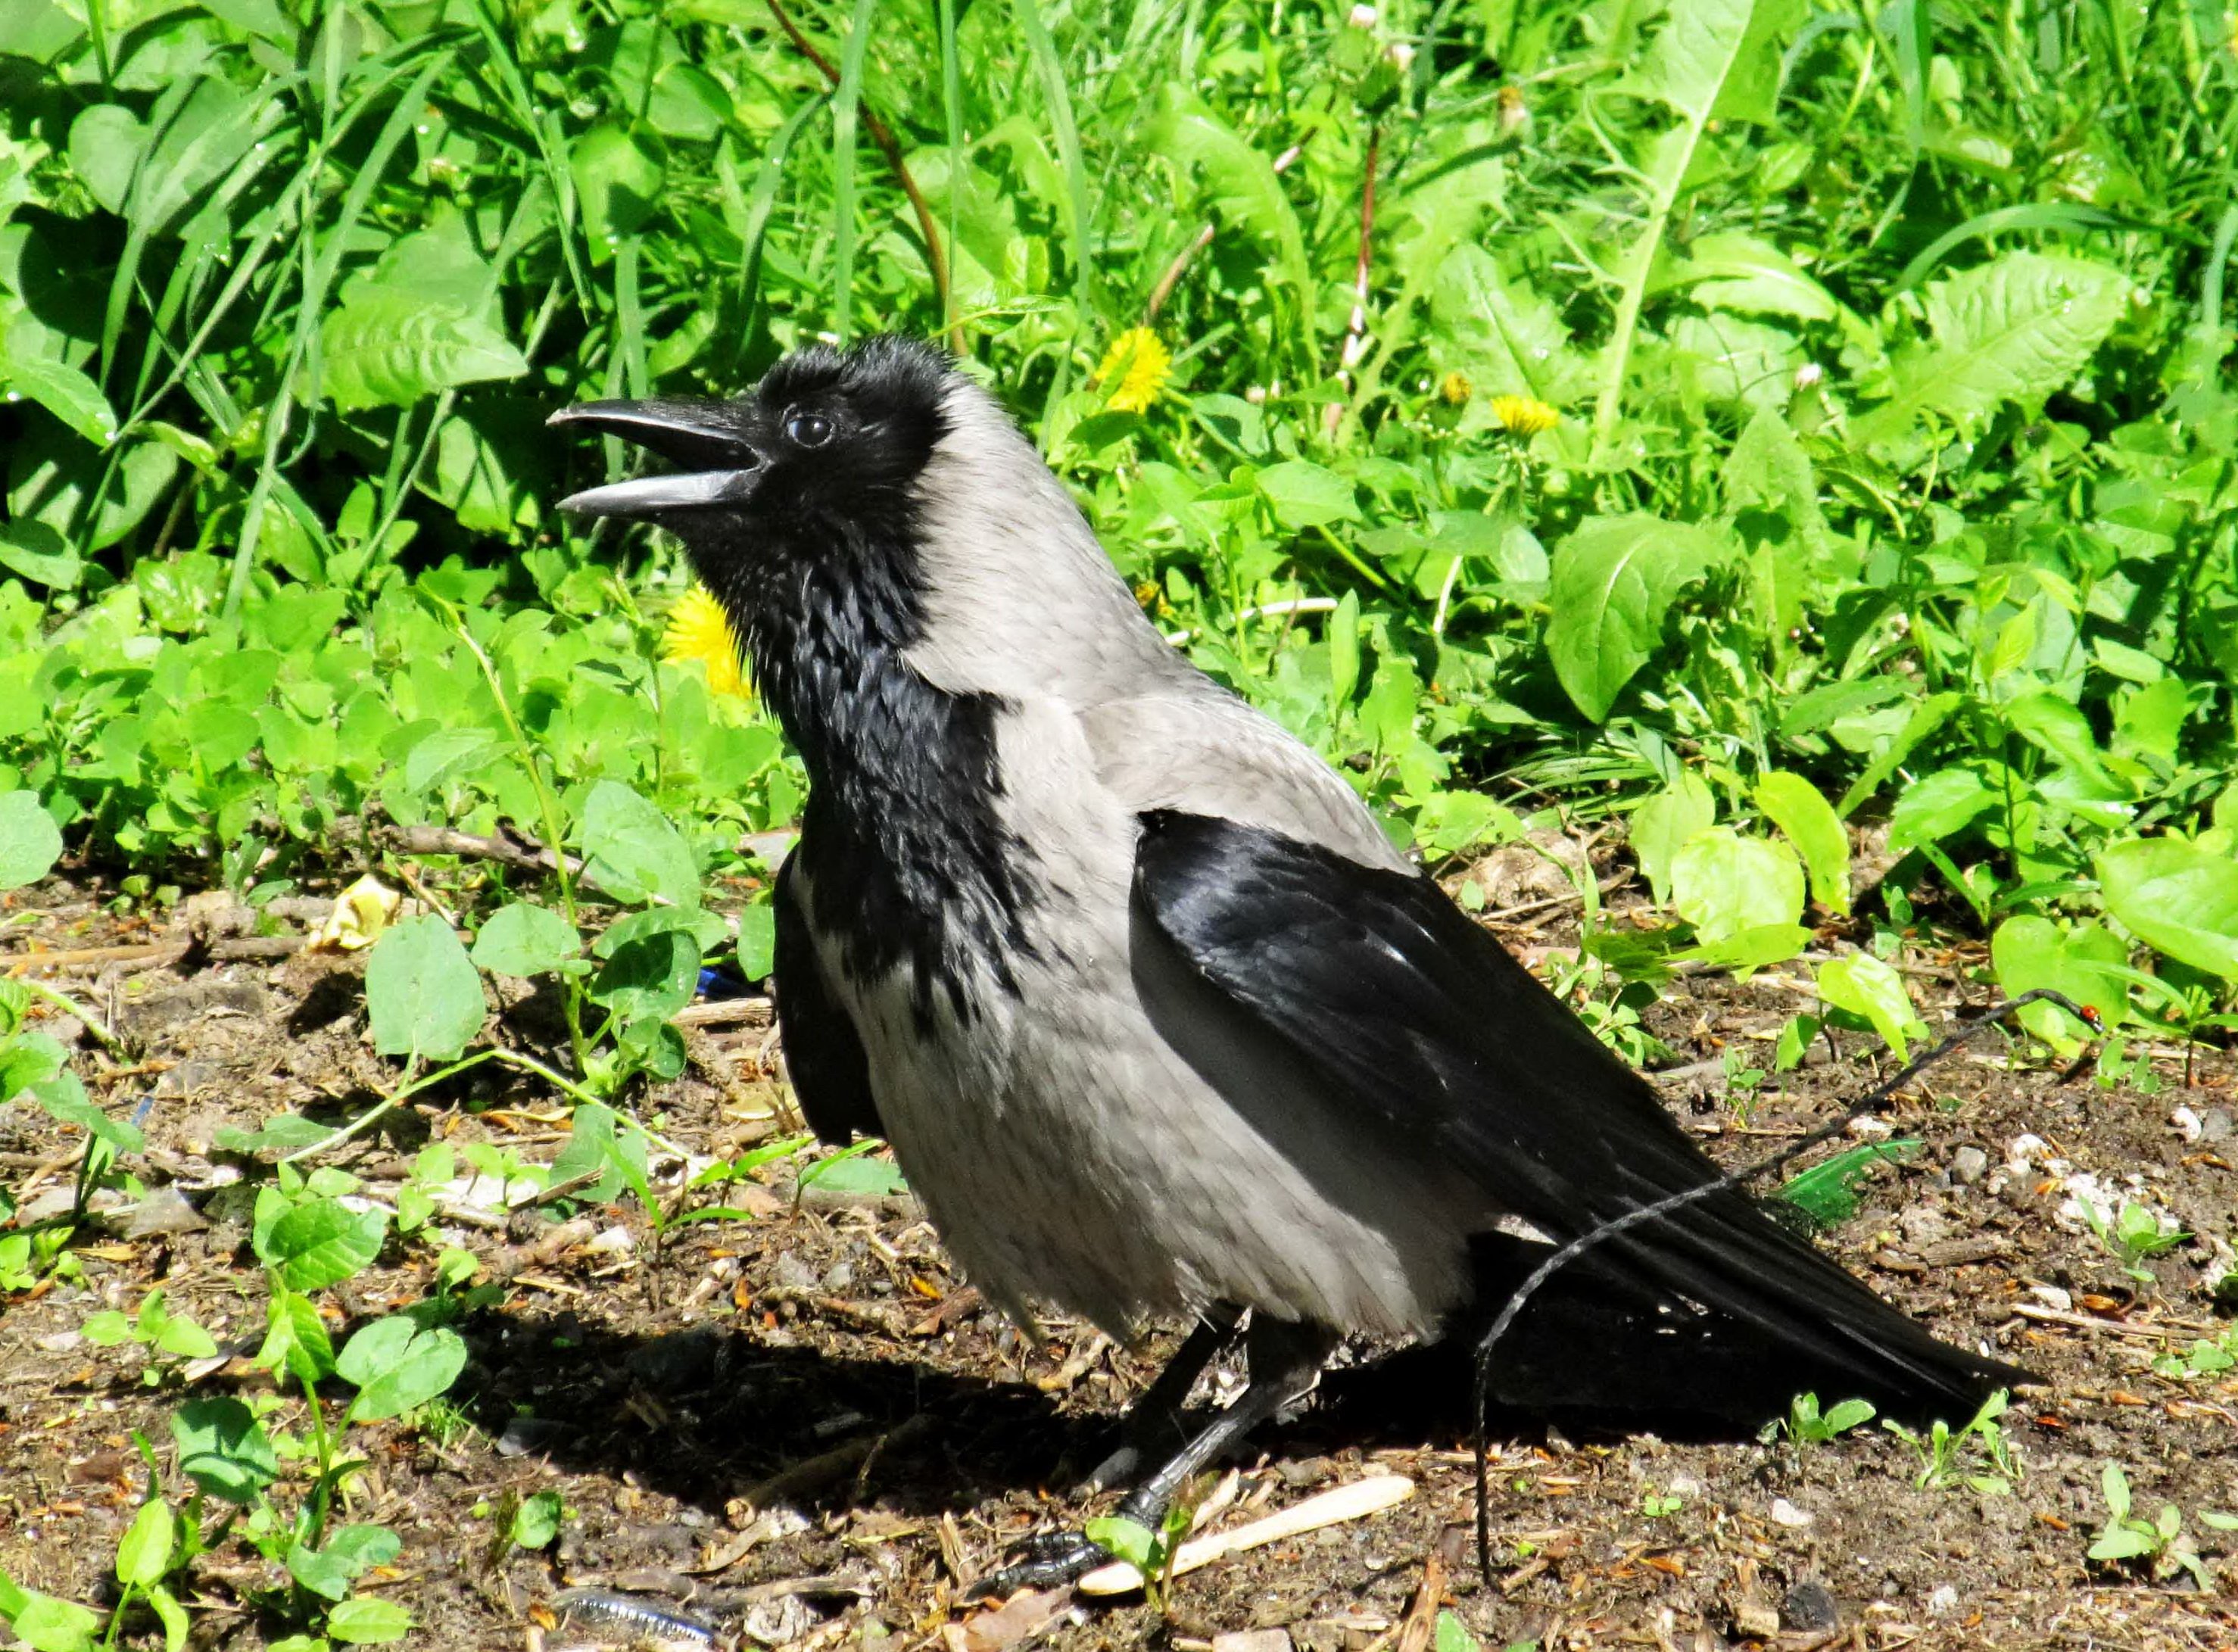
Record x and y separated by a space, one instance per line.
1155 1017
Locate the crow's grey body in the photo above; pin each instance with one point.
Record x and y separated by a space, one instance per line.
1068 1152
1153 1013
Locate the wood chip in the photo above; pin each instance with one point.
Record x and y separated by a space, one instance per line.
1354 1501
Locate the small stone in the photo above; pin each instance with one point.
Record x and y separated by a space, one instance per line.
1810 1606
1922 1225
529 1435
1943 1601
1969 1165
1786 1514
2216 1124
1683 1485
164 1211
613 1242
2185 1123
794 1273
839 1279
1252 1640
2054 1296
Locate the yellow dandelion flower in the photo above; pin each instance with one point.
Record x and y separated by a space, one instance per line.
1454 389
1134 368
1522 415
698 629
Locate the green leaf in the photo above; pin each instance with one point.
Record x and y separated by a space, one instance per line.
422 991
1937 806
2058 726
295 1339
1863 985
322 1242
44 1623
364 1621
1127 1540
31 370
37 552
1615 579
652 977
617 182
172 1615
31 843
222 1449
2085 961
2178 899
349 1553
1452 1635
1661 826
758 941
536 1522
390 347
144 1554
1718 57
1303 494
865 1174
397 1364
2014 330
524 939
1801 811
1235 181
634 852
446 754
1722 883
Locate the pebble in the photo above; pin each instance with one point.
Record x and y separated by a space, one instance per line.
1810 1607
613 1242
1785 1513
839 1279
793 1272
2216 1124
1943 1601
1969 1165
1683 1485
2054 1296
1252 1640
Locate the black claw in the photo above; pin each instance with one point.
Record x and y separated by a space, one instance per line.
1047 1559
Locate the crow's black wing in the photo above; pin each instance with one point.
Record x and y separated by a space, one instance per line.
823 1052
1419 1017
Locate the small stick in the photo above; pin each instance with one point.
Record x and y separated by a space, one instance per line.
1361 1499
1203 239
2087 1322
1586 1241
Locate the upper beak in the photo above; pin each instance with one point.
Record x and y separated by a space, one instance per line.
720 467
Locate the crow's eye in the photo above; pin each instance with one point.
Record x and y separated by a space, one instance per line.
807 430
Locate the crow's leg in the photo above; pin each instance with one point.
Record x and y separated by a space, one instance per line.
1153 1423
1286 1362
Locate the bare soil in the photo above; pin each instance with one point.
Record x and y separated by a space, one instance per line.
803 1430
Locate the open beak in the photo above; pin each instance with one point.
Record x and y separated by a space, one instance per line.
716 464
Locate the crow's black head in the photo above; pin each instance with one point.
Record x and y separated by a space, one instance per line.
827 447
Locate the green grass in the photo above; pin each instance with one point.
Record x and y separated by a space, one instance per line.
1892 483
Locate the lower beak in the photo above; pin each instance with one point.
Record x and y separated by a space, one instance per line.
719 466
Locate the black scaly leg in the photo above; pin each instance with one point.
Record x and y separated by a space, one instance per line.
1153 1422
1286 1362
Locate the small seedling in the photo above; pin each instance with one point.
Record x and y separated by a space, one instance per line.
1659 1507
1806 1425
2208 1356
1151 1553
2160 1545
158 1331
2134 1237
1977 1457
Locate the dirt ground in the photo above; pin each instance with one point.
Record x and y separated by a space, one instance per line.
803 1430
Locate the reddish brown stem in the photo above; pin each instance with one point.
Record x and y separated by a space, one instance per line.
883 135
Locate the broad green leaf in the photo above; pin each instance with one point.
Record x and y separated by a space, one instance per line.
144 1554
1937 806
758 941
1452 1635
1304 495
1235 180
44 1623
1717 58
295 1339
446 754
536 1522
635 853
422 991
1733 270
1801 811
31 370
857 1172
397 1364
524 939
1863 985
1615 579
2014 330
223 1448
2058 726
390 347
1724 884
34 551
618 183
322 1242
1661 826
349 1554
364 1620
1500 333
31 843
2176 898
2083 960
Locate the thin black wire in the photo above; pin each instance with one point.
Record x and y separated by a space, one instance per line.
1585 1242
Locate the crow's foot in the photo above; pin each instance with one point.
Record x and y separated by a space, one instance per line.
1049 1560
